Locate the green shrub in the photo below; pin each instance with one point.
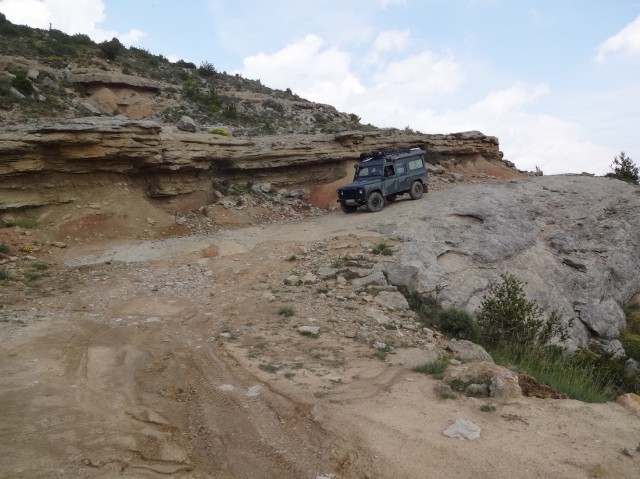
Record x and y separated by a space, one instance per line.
625 169
488 407
111 49
206 69
6 275
451 321
21 83
230 112
4 248
506 316
457 323
514 331
286 311
426 306
184 64
273 104
81 39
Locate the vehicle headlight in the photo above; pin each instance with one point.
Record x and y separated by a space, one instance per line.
360 192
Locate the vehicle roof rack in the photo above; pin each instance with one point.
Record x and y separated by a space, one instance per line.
371 155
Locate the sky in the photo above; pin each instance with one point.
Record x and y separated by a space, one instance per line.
558 82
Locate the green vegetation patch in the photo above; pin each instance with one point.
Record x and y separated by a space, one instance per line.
436 369
286 311
518 335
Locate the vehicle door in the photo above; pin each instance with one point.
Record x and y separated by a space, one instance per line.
389 180
404 180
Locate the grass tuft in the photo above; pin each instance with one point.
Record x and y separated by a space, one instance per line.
286 311
488 407
380 354
25 222
382 248
435 369
39 265
6 275
268 368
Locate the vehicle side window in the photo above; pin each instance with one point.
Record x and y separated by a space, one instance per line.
388 170
415 164
401 168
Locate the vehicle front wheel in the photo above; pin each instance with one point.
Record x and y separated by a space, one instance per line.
375 202
348 208
416 190
391 198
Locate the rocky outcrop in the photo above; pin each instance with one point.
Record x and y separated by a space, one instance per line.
163 161
113 79
573 240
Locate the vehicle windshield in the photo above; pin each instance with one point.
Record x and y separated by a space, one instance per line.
368 171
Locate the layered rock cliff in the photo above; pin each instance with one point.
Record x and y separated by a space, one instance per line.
39 162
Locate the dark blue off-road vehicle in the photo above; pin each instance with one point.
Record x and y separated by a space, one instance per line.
382 176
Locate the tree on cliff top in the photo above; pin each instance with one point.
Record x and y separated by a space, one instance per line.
625 169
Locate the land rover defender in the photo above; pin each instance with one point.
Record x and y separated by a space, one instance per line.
382 176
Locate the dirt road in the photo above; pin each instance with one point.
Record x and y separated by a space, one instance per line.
174 358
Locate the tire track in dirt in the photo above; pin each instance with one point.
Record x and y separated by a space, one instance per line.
233 428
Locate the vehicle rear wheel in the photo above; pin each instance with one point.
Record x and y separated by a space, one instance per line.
391 198
416 190
348 208
375 202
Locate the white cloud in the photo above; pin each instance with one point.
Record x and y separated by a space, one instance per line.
418 75
625 41
391 40
502 101
387 41
132 37
69 16
314 72
34 13
528 138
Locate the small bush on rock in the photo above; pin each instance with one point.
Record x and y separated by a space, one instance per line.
507 317
458 323
625 169
451 321
21 83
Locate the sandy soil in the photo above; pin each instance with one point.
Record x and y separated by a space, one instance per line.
155 358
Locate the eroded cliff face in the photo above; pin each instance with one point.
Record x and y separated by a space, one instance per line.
48 163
